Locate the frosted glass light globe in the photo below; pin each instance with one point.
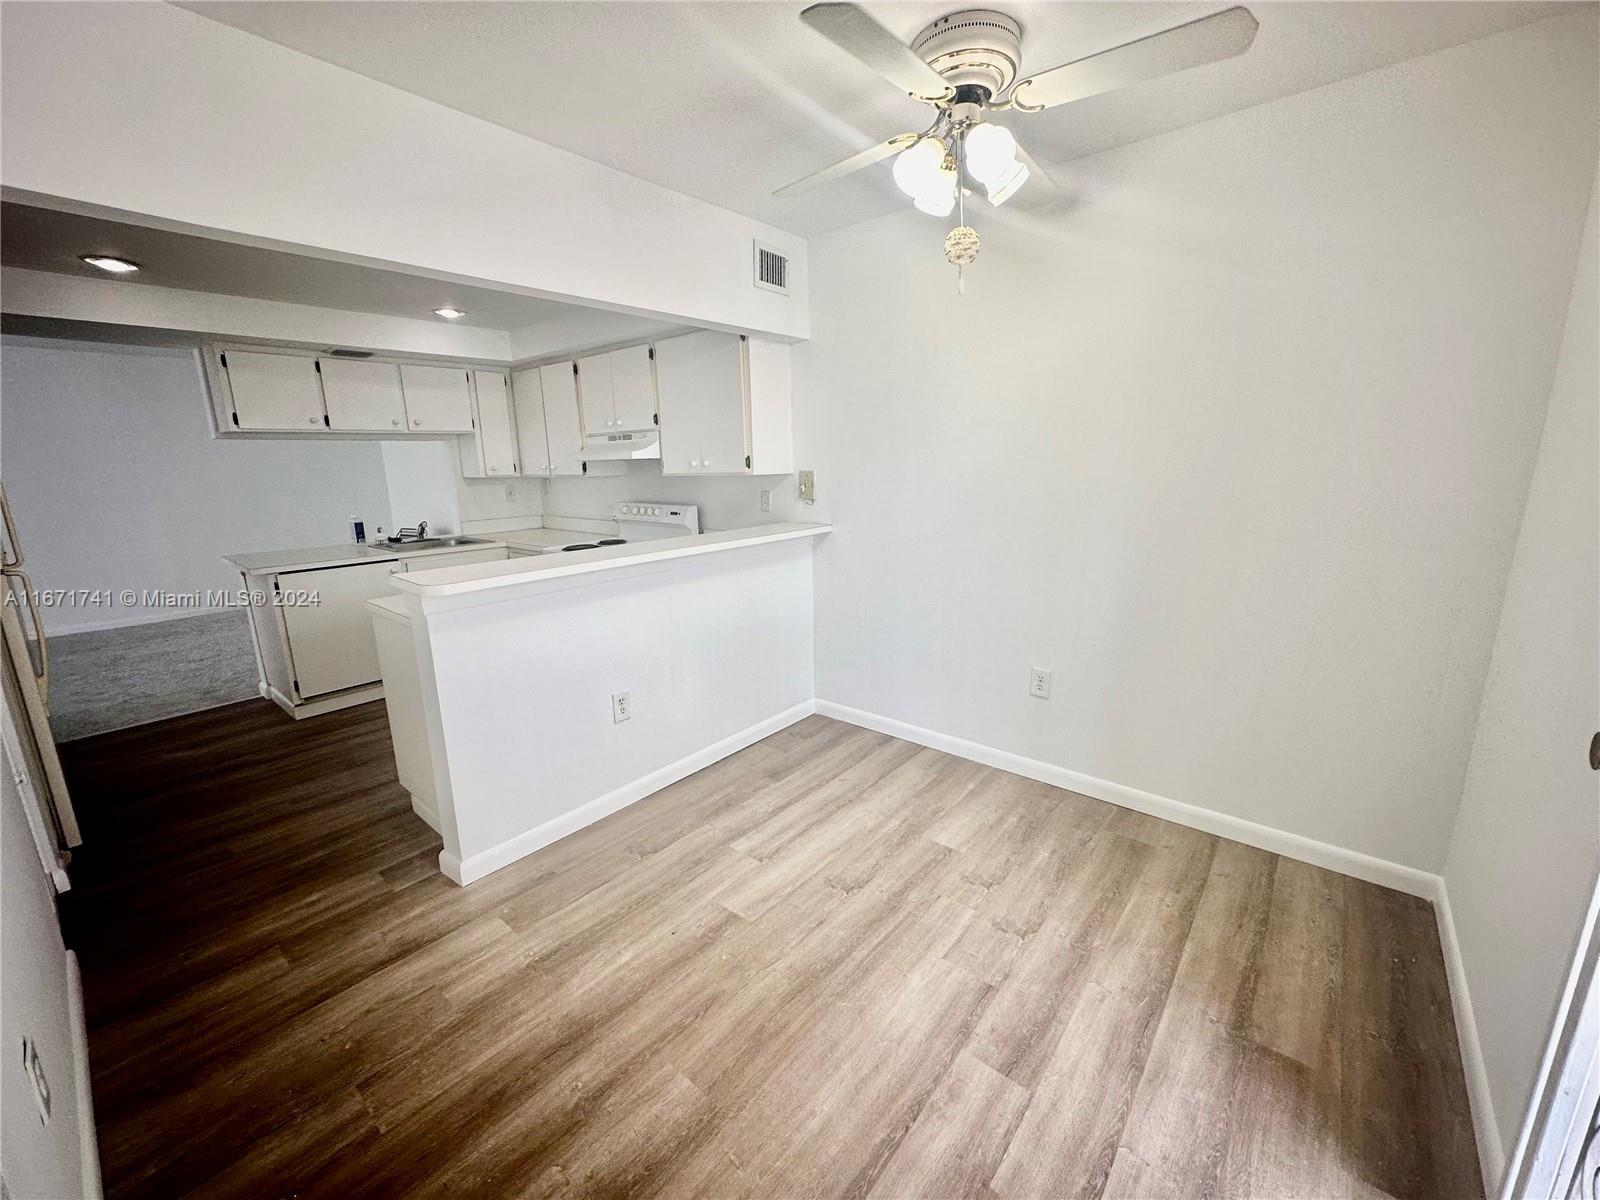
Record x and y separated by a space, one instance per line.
1005 187
990 152
918 167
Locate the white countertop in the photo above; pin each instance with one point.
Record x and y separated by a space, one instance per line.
481 577
270 562
534 539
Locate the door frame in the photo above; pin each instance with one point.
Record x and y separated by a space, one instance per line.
1556 1132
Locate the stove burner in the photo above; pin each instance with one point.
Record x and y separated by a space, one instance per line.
581 546
612 542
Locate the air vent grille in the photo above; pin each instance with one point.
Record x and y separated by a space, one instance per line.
772 269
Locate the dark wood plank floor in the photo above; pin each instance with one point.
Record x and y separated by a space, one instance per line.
834 964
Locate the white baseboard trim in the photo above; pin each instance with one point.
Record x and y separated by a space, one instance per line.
1486 1130
430 817
478 865
1388 874
364 694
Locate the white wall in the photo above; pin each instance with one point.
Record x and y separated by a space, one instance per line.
149 109
518 682
487 505
423 479
1237 444
115 481
1526 849
37 1160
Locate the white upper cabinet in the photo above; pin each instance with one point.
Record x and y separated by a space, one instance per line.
527 403
633 387
596 398
363 396
493 451
725 406
437 399
563 431
617 391
273 391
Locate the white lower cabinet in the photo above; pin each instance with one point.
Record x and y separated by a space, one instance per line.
724 404
312 652
330 641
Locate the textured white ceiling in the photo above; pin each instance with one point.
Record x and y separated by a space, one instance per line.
727 101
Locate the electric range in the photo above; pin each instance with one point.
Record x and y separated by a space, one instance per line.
640 521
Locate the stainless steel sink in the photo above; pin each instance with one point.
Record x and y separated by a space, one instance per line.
438 543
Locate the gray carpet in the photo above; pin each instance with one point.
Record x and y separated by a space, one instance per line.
113 678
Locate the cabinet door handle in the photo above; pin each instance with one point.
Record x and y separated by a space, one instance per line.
396 421
417 421
312 420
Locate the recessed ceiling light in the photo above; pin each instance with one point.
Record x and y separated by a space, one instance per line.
117 266
449 314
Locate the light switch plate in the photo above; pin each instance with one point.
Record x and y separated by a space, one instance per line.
808 487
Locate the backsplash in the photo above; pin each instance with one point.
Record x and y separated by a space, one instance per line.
491 499
725 502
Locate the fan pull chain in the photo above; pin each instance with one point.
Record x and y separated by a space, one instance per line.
961 246
961 207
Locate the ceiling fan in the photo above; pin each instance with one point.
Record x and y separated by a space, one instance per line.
965 66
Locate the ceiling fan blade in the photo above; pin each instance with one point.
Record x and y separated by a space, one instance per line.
1210 39
1041 188
852 29
846 166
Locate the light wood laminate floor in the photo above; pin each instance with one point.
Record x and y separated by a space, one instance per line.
834 964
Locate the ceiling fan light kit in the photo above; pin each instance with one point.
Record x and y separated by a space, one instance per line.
966 64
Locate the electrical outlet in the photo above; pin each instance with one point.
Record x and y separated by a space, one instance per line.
808 487
621 707
766 501
511 491
1039 683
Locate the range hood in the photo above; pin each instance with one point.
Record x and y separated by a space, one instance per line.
639 443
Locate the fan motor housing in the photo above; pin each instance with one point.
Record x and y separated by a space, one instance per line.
976 47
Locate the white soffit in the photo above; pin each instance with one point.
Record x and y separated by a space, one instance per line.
41 239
